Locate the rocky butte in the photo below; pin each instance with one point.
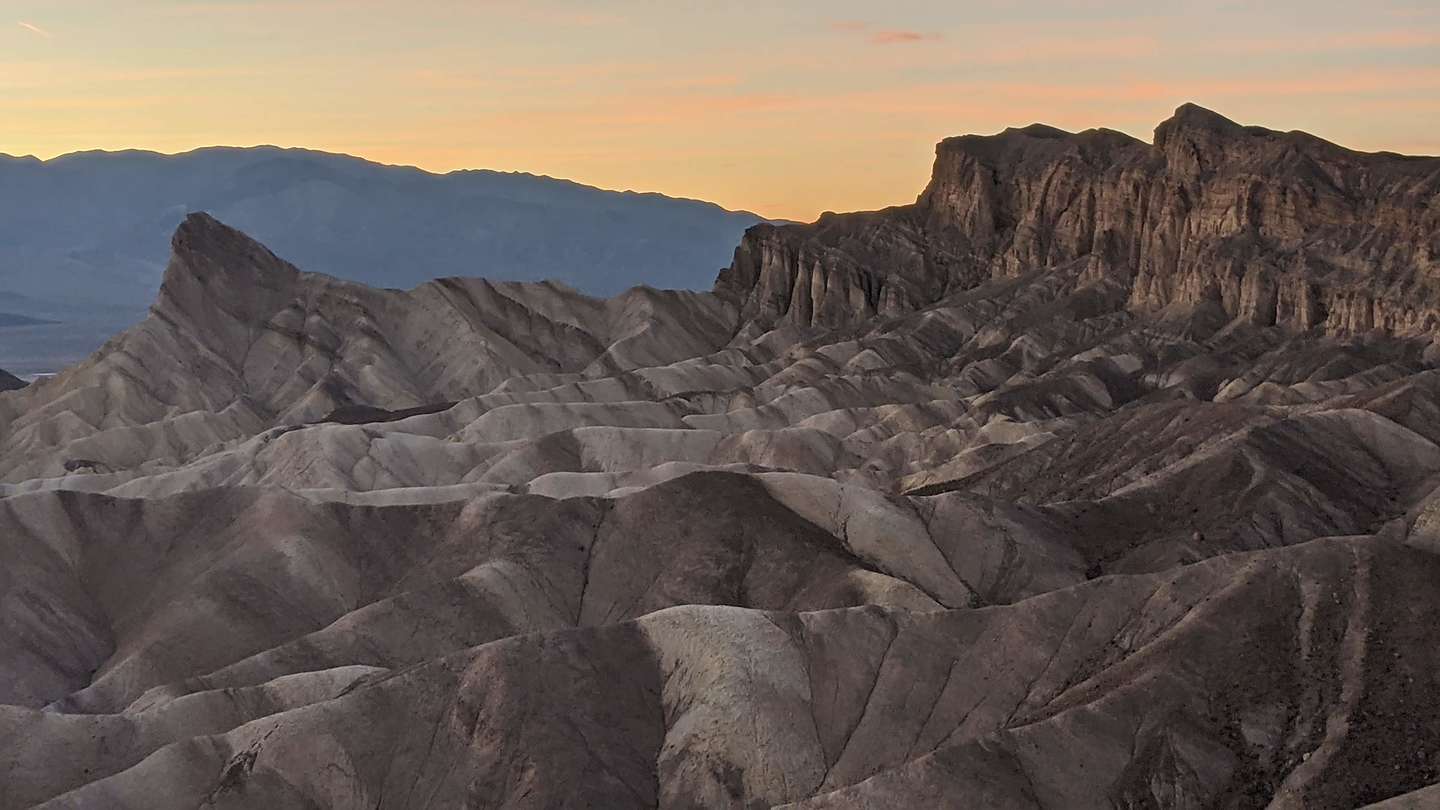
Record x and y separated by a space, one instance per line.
1270 228
1104 475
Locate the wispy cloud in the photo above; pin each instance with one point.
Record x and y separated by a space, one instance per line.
33 28
883 36
897 37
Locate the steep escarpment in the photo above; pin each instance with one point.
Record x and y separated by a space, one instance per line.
9 382
1274 228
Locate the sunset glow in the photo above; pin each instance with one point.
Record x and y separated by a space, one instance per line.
787 111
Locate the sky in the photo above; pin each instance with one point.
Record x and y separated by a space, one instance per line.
787 109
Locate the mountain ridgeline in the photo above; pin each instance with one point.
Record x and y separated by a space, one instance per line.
1267 227
1105 475
83 237
103 218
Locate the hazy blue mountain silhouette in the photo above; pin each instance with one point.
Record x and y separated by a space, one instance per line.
11 319
84 237
93 227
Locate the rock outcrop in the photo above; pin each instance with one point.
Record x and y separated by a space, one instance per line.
82 236
1046 492
1274 228
239 340
9 382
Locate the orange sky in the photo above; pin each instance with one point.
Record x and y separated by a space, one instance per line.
787 109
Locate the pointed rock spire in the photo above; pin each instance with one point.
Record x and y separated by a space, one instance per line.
218 276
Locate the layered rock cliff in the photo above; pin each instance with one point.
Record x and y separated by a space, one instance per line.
1275 227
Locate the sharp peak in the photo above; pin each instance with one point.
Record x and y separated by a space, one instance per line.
1038 130
204 244
1193 114
201 219
1199 121
200 228
1188 116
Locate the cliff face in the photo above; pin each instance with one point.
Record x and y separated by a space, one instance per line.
1277 228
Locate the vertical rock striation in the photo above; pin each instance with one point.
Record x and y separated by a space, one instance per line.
1275 227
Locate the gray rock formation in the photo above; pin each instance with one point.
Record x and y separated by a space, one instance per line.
1020 497
9 382
82 236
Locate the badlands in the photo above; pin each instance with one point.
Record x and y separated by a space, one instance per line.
1104 475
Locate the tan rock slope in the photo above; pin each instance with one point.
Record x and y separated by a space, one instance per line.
1103 476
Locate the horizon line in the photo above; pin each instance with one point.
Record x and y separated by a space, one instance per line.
383 164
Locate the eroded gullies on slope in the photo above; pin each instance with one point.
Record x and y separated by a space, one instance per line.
1103 473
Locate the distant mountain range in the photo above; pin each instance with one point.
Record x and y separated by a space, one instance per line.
83 236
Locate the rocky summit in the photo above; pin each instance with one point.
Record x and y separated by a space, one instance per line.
1107 474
